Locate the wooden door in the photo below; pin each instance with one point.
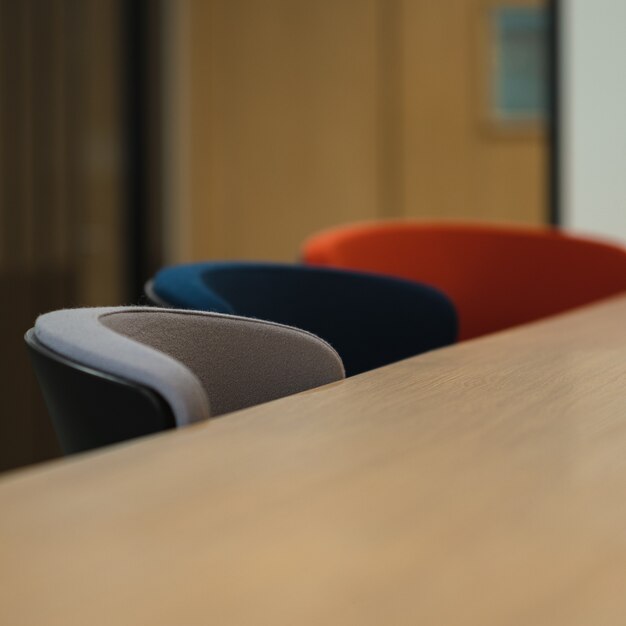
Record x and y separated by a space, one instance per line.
280 124
289 116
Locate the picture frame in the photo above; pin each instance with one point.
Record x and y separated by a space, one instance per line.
512 61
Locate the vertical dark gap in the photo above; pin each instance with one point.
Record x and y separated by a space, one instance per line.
134 90
153 146
142 77
554 110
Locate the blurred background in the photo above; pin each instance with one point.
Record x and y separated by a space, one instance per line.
138 133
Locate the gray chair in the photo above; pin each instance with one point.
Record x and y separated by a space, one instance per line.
110 374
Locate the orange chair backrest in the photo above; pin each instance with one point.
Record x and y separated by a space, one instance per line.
497 276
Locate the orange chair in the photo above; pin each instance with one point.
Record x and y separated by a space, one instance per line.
496 276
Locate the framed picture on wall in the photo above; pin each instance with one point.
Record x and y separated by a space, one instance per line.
512 66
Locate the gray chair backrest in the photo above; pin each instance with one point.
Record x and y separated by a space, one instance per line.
202 364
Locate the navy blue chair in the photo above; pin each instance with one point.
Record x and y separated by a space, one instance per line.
370 320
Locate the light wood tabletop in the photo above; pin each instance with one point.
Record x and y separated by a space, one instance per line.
480 484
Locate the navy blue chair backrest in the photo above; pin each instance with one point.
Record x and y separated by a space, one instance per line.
370 320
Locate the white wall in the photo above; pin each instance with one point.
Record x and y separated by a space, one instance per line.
593 123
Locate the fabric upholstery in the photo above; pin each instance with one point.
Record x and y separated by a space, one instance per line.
496 276
202 364
240 362
370 320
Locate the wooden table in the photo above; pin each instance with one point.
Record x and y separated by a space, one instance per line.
480 484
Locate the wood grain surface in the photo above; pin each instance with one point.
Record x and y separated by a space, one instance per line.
480 484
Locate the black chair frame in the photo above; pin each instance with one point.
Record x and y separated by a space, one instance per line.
91 408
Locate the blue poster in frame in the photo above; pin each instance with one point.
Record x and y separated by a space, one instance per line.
519 44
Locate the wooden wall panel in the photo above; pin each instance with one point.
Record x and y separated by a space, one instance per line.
61 179
34 271
284 122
